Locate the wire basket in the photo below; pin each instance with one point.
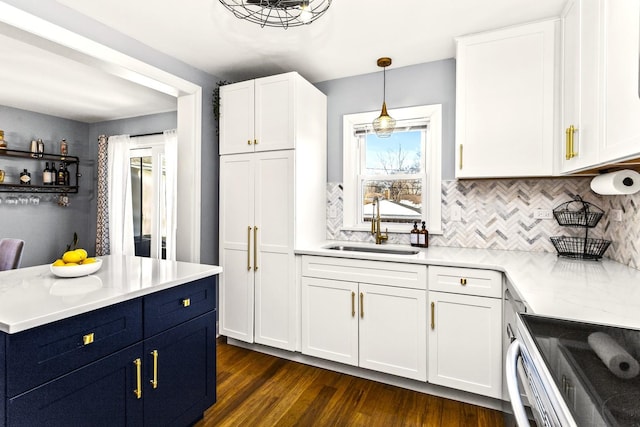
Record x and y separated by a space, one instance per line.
580 247
578 213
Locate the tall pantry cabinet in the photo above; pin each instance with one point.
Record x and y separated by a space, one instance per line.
272 198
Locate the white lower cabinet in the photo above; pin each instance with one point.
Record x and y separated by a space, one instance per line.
371 325
465 340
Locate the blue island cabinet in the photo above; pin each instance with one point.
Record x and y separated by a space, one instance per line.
149 361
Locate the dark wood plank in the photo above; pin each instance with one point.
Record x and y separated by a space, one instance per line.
256 389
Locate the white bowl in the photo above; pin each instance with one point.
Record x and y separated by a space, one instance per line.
76 270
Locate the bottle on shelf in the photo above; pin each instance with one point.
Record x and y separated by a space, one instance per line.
423 237
46 175
67 178
34 148
61 175
53 174
3 143
64 148
25 177
413 238
40 147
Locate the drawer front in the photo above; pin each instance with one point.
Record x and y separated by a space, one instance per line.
166 309
467 281
363 271
41 354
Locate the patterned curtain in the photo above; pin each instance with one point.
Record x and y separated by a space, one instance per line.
102 232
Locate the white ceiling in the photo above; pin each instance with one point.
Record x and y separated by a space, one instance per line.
345 42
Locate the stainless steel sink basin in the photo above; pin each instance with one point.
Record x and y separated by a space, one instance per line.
376 250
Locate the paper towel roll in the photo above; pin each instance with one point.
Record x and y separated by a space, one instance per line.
621 182
616 358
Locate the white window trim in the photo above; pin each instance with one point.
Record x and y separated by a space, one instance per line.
433 214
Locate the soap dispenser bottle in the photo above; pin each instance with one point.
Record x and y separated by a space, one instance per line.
423 237
414 234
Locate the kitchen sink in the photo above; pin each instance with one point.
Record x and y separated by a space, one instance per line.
376 250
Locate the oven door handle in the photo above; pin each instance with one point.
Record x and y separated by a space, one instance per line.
513 354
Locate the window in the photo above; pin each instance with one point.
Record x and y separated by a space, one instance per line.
402 171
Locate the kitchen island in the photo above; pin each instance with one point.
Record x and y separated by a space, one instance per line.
132 344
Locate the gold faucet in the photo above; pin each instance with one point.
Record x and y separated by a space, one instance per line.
375 223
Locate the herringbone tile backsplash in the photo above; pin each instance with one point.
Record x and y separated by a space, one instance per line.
498 214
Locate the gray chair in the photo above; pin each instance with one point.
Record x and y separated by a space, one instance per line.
10 253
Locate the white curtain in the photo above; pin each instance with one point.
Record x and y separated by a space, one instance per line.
171 176
120 199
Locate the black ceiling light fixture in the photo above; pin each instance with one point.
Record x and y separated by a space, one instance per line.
384 124
278 13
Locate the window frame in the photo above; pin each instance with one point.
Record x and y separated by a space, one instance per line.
432 215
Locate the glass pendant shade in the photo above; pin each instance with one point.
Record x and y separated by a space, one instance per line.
384 125
278 13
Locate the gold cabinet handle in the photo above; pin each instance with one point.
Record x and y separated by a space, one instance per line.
255 248
154 381
138 390
249 248
248 142
569 147
461 156
353 304
361 305
433 315
186 302
88 339
255 142
463 281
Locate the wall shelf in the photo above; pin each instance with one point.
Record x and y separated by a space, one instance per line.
39 188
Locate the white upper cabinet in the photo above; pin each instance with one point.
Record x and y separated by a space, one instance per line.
260 114
505 101
580 101
601 93
621 128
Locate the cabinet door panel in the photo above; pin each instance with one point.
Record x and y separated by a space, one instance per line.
393 330
274 112
99 394
465 343
186 378
329 319
275 293
236 237
622 106
237 118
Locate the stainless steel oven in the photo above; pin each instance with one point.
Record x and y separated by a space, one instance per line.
570 377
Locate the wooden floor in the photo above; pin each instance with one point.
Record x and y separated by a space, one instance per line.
256 389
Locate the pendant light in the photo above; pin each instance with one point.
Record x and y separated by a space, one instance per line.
278 13
384 124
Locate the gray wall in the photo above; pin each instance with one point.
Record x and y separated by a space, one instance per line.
59 14
423 84
46 228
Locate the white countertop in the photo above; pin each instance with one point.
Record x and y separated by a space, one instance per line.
602 291
33 296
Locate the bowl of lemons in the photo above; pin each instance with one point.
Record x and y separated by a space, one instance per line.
75 263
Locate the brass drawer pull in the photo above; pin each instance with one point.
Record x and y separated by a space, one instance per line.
248 142
249 248
186 302
154 381
463 281
433 315
138 390
255 248
361 305
88 339
353 304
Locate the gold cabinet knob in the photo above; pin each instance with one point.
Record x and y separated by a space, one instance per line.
186 302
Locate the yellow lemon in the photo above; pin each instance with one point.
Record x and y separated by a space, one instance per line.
58 263
71 256
89 261
69 264
82 253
